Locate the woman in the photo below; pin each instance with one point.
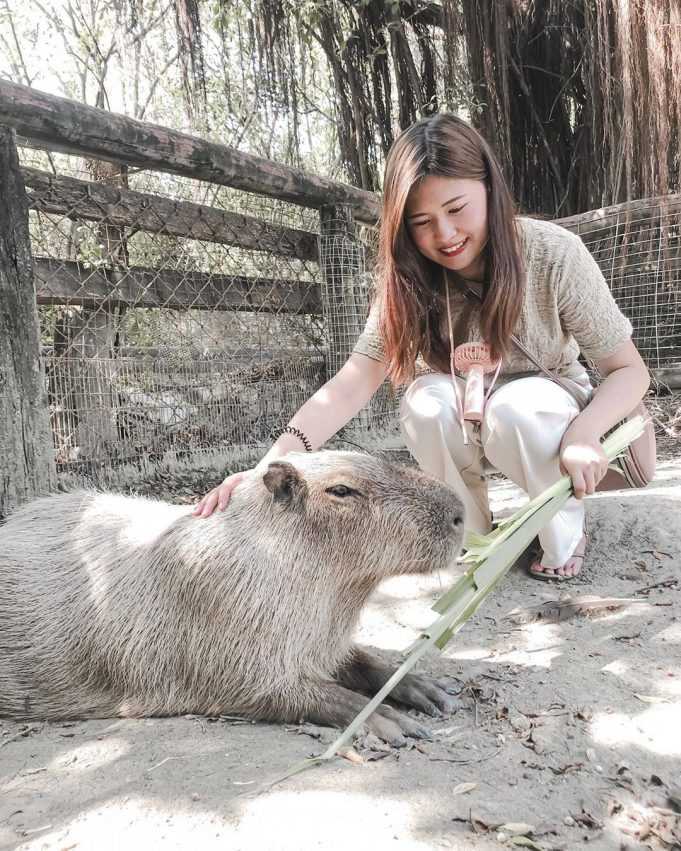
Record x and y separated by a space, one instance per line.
448 226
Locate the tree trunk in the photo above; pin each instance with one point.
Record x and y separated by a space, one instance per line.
26 453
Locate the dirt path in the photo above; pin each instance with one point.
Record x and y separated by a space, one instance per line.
571 727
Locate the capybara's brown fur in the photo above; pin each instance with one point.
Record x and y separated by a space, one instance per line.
122 606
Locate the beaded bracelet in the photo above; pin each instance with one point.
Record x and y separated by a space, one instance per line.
299 434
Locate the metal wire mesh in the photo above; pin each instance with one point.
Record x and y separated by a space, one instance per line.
639 251
170 328
346 255
179 318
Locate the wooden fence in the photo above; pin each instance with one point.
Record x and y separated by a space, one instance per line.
637 246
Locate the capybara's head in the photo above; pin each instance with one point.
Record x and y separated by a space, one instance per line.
367 515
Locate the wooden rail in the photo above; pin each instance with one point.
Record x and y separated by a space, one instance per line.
98 202
67 282
60 124
604 222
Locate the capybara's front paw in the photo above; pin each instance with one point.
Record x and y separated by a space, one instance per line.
434 697
394 727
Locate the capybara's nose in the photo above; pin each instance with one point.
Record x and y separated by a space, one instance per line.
452 516
454 506
455 527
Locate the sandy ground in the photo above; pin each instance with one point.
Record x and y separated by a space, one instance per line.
569 730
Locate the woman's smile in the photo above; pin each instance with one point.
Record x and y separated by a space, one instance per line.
455 248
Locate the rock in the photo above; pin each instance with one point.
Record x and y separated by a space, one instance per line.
519 723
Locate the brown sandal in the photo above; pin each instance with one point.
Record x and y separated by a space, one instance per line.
552 576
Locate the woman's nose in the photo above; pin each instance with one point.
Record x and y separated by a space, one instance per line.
445 233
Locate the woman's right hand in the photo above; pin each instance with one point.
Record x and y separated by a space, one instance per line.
219 496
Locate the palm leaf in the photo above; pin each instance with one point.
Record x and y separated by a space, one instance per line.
490 558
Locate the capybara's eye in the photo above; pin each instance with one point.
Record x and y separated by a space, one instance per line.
341 490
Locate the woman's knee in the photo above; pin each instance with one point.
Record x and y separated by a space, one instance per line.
532 408
429 398
504 414
427 409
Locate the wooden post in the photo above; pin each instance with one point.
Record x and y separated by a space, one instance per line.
26 454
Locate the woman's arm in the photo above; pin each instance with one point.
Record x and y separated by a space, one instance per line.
626 380
324 413
332 406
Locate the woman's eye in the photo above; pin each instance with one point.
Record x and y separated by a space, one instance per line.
341 490
454 210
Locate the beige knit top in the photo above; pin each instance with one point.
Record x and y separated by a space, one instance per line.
568 307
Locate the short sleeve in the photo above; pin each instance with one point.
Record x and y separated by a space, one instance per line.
370 342
586 306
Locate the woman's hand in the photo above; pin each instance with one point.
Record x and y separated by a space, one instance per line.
219 496
585 462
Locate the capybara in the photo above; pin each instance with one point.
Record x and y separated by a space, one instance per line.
114 605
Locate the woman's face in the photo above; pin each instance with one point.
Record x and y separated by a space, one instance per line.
446 218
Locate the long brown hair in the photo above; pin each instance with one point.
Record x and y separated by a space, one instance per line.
410 285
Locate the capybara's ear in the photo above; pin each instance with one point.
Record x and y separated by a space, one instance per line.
284 481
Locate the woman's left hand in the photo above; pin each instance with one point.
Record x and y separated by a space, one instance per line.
585 462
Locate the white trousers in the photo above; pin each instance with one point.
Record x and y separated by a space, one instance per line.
522 429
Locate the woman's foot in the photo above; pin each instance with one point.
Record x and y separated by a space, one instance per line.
569 570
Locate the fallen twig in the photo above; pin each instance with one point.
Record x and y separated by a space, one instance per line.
20 735
464 761
554 611
35 830
162 762
665 583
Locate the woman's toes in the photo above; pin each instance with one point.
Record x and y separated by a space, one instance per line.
538 567
571 568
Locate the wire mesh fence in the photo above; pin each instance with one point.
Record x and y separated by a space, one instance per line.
638 248
180 319
169 327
